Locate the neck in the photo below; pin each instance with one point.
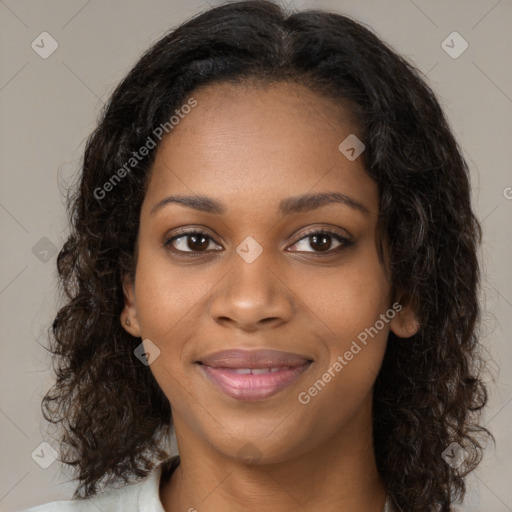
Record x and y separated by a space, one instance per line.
339 475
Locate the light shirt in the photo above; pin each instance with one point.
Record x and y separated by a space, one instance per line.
143 496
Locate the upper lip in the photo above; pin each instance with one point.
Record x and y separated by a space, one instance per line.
261 358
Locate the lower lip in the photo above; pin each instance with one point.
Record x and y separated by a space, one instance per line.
250 387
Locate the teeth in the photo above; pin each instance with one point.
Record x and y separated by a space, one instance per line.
257 371
242 371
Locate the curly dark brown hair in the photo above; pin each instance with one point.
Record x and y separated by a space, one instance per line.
112 416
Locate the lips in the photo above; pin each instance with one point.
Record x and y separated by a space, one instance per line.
263 358
253 374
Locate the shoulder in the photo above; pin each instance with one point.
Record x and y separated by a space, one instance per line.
141 496
110 501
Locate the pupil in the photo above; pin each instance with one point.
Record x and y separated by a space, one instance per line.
323 241
194 245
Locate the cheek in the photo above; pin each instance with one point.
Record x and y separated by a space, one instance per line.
354 350
352 297
167 297
355 307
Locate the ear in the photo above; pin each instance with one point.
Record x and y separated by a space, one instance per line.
128 318
405 322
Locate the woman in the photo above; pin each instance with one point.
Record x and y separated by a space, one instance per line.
272 254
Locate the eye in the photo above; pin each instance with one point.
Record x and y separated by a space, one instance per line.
322 241
197 243
191 242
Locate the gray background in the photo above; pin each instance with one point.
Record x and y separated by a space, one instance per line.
49 106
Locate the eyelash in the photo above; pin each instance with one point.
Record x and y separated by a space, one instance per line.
345 242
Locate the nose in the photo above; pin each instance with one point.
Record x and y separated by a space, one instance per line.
252 296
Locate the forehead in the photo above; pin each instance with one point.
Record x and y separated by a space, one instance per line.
259 143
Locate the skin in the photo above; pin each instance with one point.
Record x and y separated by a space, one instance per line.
249 147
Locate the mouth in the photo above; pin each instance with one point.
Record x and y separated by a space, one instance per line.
253 375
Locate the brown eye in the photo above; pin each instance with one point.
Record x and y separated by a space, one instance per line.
190 242
197 242
321 242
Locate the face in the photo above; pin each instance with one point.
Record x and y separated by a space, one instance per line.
265 301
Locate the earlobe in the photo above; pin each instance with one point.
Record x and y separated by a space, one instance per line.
405 322
128 317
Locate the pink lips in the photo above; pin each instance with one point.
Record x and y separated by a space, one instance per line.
253 374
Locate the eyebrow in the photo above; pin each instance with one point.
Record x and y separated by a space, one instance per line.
287 206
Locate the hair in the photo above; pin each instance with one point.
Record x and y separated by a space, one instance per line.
113 418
